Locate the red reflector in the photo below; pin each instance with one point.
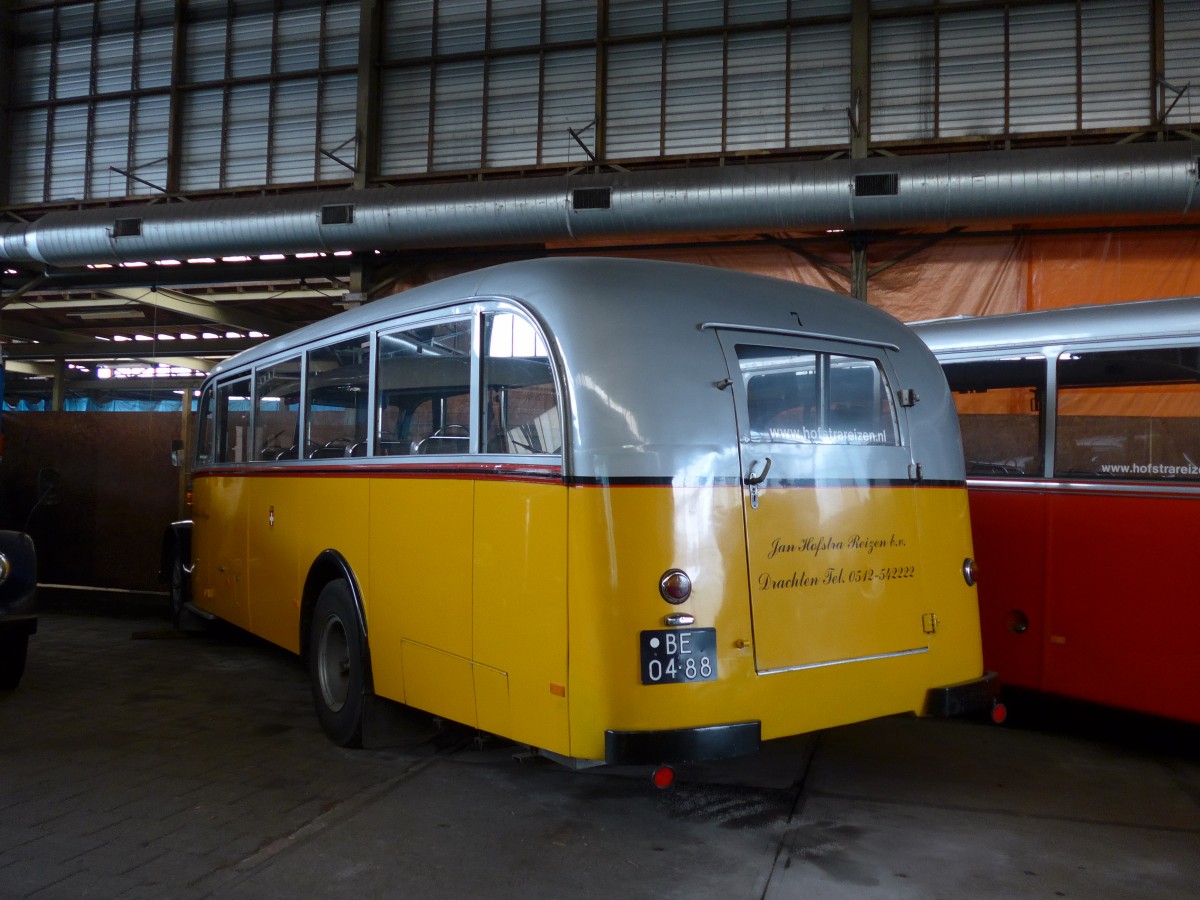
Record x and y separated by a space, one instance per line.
664 777
675 586
999 713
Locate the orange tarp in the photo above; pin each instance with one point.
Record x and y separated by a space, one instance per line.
978 276
958 275
1111 268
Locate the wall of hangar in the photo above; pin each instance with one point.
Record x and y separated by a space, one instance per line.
136 98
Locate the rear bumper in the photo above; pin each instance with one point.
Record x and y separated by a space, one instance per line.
976 695
682 744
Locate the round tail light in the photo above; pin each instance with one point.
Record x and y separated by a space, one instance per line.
675 586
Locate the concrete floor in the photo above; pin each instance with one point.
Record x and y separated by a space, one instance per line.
138 762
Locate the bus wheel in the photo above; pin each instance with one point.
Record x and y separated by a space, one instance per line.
336 665
179 588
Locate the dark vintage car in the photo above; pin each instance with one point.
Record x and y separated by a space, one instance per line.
18 604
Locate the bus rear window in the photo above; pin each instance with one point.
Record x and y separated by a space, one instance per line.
1129 414
809 397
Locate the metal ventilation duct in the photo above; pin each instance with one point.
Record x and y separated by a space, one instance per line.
1096 185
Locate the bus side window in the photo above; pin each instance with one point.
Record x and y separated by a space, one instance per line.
423 399
233 420
277 410
1000 414
521 409
1129 414
336 402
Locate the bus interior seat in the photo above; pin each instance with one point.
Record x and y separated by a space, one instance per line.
450 439
437 444
338 448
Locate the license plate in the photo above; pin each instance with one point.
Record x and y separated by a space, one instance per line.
674 656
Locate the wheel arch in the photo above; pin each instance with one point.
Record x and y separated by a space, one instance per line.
176 545
329 566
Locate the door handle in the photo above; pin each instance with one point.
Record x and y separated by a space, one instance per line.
751 478
755 480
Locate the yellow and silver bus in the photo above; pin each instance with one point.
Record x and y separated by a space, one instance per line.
616 510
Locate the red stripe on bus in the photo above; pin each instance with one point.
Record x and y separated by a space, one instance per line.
478 471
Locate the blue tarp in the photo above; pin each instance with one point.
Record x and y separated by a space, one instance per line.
87 404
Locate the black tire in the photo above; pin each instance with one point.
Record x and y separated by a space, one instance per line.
179 590
13 649
335 665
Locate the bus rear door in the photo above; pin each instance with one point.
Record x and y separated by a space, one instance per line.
829 502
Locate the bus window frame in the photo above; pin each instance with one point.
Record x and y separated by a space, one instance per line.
474 310
295 447
486 321
1056 357
221 447
202 451
402 324
1047 400
1050 356
310 447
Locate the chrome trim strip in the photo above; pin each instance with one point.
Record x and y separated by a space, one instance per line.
1098 488
788 332
841 662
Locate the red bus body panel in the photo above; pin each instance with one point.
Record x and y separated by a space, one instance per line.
1104 579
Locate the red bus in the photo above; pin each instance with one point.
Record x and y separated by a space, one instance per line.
1081 432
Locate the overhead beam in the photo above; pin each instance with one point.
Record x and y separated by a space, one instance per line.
102 299
25 332
205 310
28 286
42 370
92 349
49 344
50 355
328 268
181 362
